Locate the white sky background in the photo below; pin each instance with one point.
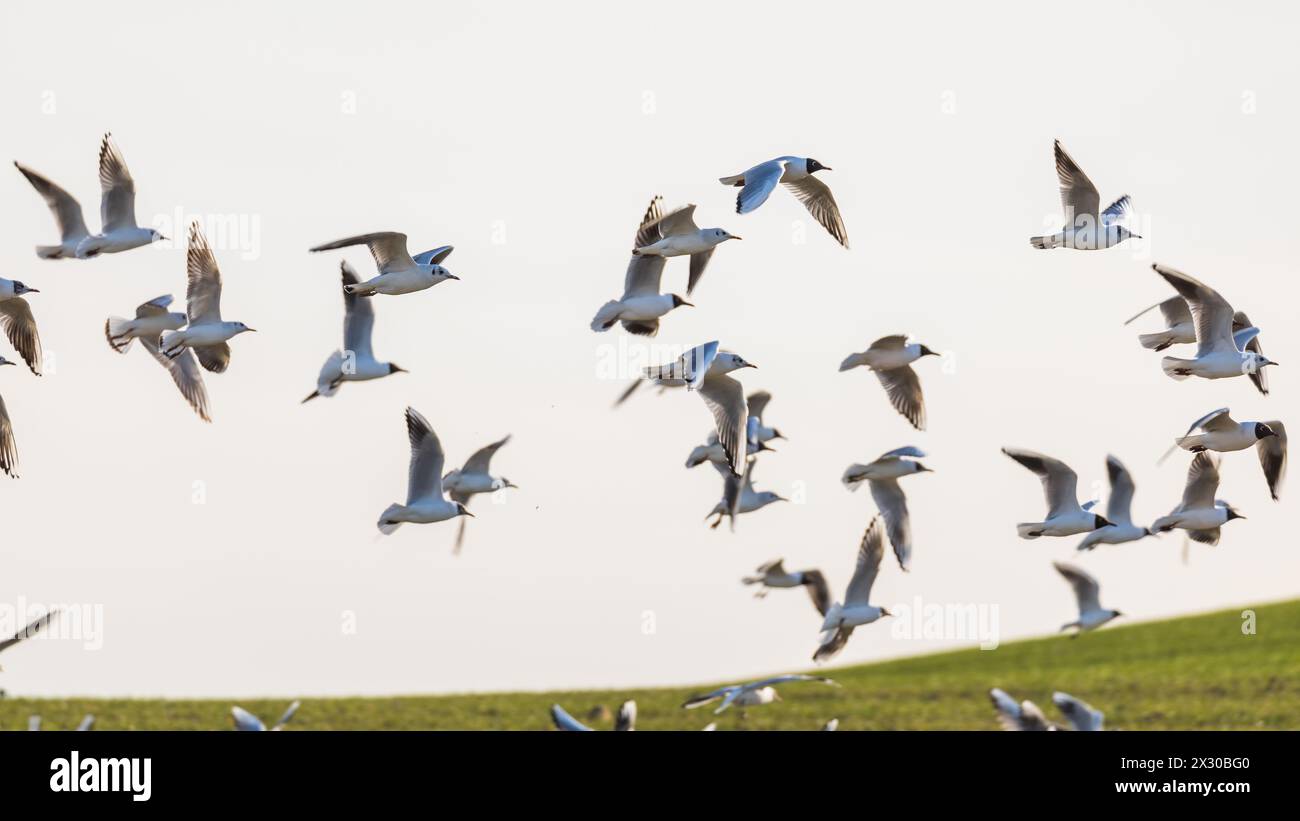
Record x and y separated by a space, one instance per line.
554 128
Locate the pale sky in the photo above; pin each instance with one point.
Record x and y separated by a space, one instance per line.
531 137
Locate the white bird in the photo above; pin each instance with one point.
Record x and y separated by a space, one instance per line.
712 450
705 369
18 323
739 496
207 334
796 173
1018 717
356 362
1118 510
67 215
1179 328
831 726
856 610
773 575
1219 352
474 478
34 627
151 320
425 502
883 475
8 447
1087 227
248 722
675 234
641 306
1199 513
1220 433
757 402
1087 596
1241 323
399 272
1081 715
116 208
748 695
891 358
1065 517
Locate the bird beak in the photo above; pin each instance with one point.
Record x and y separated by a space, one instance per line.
733 236
471 515
7 362
453 276
254 330
513 485
33 291
688 304
750 365
162 238
783 499
398 368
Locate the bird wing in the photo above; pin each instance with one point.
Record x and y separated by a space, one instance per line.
203 293
1060 484
893 342
434 257
154 307
215 358
20 326
563 721
699 261
358 317
625 719
117 198
817 198
1078 195
725 398
889 497
704 698
647 233
1259 376
1118 212
678 221
1080 714
36 626
1017 717
1120 502
387 247
787 678
66 210
1202 482
833 642
757 402
1087 593
8 447
478 463
818 590
185 372
1214 420
760 182
644 275
245 720
691 367
906 450
1272 458
288 714
1211 313
427 459
870 551
903 387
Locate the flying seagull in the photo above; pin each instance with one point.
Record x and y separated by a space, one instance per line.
1087 595
705 369
1118 510
1219 353
712 450
248 722
18 323
116 208
425 502
773 575
796 173
356 362
757 402
675 234
474 478
399 272
891 358
856 610
1179 328
151 320
1087 227
883 475
1065 517
206 334
1220 433
641 306
739 496
1199 513
8 448
36 626
67 215
747 695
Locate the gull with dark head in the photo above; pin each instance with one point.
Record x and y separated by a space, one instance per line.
116 208
207 333
753 693
1065 517
1221 433
705 369
675 234
1087 227
19 325
856 609
1220 353
774 576
796 174
67 215
152 319
882 475
399 272
356 361
1199 513
425 502
473 479
891 358
1087 595
1118 510
641 306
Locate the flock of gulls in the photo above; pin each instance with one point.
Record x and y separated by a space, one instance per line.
1227 345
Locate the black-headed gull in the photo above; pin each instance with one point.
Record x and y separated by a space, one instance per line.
1221 433
206 334
399 272
773 575
675 234
891 358
116 208
67 215
152 319
641 306
748 695
1087 227
705 369
425 502
1199 513
1220 352
1065 517
473 479
17 322
856 610
796 173
1118 510
1087 596
356 361
883 475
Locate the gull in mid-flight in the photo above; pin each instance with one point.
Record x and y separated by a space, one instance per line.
1220 353
474 478
757 402
624 721
1179 328
705 369
18 323
712 450
739 496
1087 227
773 575
206 334
1065 517
116 208
748 695
248 722
796 173
1118 510
883 475
641 306
1026 716
856 609
151 320
1087 595
67 215
425 502
1199 513
399 272
1220 433
356 362
36 626
676 235
8 448
891 358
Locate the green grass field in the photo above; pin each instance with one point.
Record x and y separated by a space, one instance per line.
1198 672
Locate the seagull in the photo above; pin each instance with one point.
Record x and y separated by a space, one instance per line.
757 402
8 449
891 358
1086 227
1060 485
1081 715
1086 593
755 692
1221 434
856 610
356 362
1118 505
67 214
1200 514
151 320
641 306
1219 353
18 323
739 496
206 334
474 478
1241 322
1179 328
116 208
248 722
712 450
36 626
424 495
796 173
1022 717
883 475
399 272
675 234
705 369
773 575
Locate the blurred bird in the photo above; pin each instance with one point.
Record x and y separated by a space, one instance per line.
1060 485
248 722
796 173
399 272
1179 328
891 358
67 215
1087 596
675 234
1081 715
18 323
712 450
8 447
625 721
856 610
748 695
151 320
207 334
831 726
1199 513
705 369
356 362
1018 717
883 475
757 402
1219 353
1087 227
641 306
425 502
773 575
1118 510
474 478
36 626
739 496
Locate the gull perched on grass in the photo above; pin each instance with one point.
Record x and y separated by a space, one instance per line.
116 208
1087 596
399 272
1219 352
624 721
641 306
705 369
1065 517
425 502
206 334
248 722
773 575
675 234
856 609
1179 328
152 319
1087 227
891 358
883 475
739 496
18 323
67 215
34 627
356 362
8 447
474 478
1118 510
1199 513
796 173
748 695
1221 433
1018 717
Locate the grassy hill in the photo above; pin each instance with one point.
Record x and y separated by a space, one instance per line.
1197 672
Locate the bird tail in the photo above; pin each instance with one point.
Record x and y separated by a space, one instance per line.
736 179
832 619
170 339
116 332
1172 364
698 457
1157 341
49 251
1045 242
853 360
605 317
642 328
848 478
1029 530
386 523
